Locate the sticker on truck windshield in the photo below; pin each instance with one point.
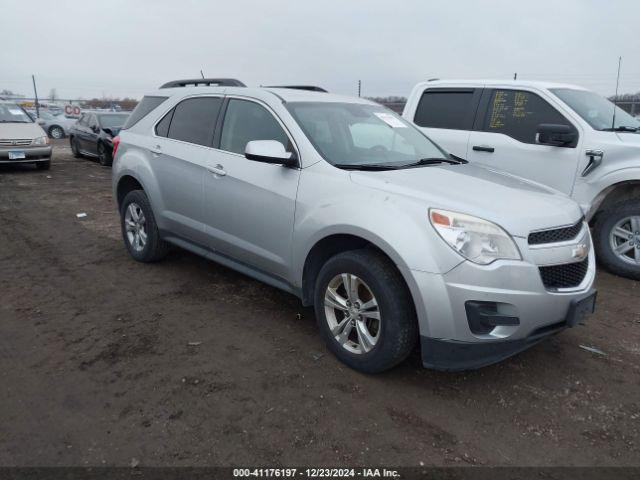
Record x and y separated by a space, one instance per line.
390 120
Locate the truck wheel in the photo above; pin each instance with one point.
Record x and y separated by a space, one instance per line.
364 311
139 229
617 239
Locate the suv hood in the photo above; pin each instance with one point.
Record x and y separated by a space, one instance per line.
10 131
517 205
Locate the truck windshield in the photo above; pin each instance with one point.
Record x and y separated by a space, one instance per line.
12 113
597 111
361 135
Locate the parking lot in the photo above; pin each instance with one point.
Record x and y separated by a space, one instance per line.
107 361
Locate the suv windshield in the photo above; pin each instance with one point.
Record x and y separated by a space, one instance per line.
597 111
358 135
12 113
110 121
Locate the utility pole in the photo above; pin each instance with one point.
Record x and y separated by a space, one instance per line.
359 87
35 91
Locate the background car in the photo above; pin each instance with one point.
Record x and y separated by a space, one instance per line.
56 126
21 139
92 135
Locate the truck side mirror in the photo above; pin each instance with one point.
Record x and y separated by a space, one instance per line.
556 135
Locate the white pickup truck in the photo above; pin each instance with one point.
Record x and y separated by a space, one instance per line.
563 136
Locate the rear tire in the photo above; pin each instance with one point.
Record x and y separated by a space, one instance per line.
394 335
56 132
621 217
139 229
43 165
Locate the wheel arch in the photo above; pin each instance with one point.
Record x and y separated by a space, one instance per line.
616 193
334 243
126 184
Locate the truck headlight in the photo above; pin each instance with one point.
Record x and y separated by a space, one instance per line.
477 240
41 141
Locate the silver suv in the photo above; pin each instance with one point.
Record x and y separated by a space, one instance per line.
354 210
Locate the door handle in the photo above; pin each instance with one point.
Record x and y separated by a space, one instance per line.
217 170
157 150
482 148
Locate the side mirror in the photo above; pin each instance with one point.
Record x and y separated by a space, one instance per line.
94 128
108 131
269 151
556 135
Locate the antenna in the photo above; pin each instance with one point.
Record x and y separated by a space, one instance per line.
201 74
613 122
515 76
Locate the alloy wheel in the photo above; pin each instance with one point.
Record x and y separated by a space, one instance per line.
57 133
135 225
352 313
625 240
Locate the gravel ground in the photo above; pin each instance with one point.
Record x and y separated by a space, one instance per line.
104 360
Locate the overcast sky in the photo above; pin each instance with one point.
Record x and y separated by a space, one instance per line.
126 47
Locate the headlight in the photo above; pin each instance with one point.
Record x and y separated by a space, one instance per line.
41 141
475 239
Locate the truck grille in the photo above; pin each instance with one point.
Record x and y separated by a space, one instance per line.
15 143
555 235
569 275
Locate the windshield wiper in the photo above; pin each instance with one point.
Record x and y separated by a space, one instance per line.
435 161
621 128
366 167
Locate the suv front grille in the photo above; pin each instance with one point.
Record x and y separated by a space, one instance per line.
569 275
555 235
15 143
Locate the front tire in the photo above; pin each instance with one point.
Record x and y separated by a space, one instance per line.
617 238
139 229
74 148
104 156
364 311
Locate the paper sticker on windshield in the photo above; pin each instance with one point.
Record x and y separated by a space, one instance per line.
15 111
390 120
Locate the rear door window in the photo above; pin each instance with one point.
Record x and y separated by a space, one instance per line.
517 113
245 121
447 108
146 105
194 120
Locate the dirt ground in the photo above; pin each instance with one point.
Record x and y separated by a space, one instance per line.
98 364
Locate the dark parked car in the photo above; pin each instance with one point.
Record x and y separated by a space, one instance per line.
92 135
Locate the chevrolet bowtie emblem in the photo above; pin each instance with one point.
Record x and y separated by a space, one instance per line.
580 251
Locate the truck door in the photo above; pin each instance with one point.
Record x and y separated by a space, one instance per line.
446 115
505 137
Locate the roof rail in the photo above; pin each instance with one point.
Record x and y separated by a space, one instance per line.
311 88
194 82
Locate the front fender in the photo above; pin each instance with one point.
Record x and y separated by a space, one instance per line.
591 193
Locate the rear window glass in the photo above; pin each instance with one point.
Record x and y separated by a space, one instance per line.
446 109
194 120
145 106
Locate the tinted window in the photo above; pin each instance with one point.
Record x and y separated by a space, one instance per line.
162 128
142 109
91 121
517 113
83 119
194 120
246 121
446 109
113 120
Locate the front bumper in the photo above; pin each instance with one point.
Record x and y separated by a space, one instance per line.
454 356
526 310
31 154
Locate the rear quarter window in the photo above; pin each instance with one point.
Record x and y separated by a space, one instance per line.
146 105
